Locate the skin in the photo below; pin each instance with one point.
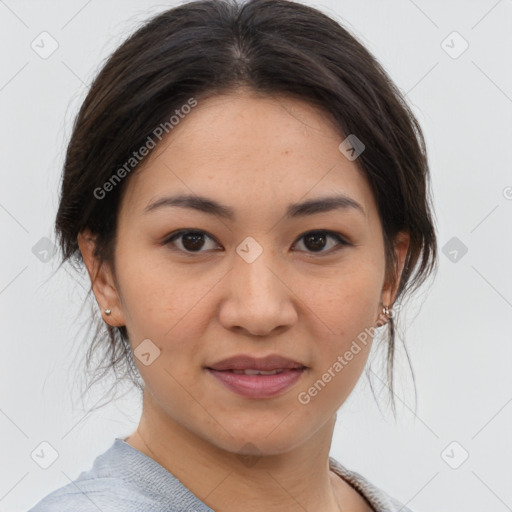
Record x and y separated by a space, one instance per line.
255 154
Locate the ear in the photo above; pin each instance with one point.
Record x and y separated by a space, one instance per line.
102 280
390 288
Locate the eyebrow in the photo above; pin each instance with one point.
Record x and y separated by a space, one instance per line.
296 210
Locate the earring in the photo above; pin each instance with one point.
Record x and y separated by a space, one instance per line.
107 311
387 311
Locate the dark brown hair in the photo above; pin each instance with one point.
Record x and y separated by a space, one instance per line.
274 47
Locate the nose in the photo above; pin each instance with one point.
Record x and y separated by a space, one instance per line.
258 301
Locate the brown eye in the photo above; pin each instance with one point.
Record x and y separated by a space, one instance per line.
191 240
194 241
316 241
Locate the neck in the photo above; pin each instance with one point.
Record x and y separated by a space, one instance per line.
297 480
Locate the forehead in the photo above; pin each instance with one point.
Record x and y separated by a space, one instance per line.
249 150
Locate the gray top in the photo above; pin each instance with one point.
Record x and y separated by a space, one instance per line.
124 479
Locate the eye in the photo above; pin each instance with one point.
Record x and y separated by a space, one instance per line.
316 240
192 241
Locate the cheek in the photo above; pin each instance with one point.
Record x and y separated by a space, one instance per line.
341 314
155 297
344 303
173 311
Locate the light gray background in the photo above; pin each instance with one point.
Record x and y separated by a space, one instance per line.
459 335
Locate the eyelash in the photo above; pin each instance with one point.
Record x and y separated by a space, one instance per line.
170 240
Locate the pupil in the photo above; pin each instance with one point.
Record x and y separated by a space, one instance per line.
318 241
196 239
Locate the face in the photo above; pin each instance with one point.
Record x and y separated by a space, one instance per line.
268 278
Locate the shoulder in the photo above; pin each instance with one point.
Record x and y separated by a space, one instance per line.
122 479
378 498
91 495
92 490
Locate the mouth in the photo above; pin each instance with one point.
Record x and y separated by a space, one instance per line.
264 365
253 377
258 384
252 371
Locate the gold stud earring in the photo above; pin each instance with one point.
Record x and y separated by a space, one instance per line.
388 312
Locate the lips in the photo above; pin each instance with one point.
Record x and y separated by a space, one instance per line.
258 372
257 386
257 378
240 363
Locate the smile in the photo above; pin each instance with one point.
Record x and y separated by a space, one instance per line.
258 383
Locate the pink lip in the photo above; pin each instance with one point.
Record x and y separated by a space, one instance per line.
243 361
258 386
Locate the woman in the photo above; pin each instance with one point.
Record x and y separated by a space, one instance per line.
248 192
